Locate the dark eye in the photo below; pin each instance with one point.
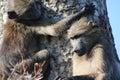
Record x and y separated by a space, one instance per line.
76 36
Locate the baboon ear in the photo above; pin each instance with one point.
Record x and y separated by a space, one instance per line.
12 14
92 24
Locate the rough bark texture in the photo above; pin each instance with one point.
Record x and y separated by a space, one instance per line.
60 48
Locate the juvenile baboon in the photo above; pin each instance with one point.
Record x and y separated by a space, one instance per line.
23 32
93 55
75 35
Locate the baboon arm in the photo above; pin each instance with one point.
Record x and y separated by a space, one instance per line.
39 56
103 76
58 28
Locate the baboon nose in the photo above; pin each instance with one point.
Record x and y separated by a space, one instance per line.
12 14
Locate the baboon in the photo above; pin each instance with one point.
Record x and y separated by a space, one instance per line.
93 55
74 34
22 34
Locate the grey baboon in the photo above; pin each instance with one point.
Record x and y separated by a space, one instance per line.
93 55
22 34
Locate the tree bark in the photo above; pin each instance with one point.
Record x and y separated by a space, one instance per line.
60 48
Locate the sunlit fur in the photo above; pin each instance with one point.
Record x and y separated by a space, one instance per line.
97 59
23 36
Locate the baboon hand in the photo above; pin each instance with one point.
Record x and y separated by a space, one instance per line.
89 9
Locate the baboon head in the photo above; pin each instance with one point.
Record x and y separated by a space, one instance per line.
83 35
24 9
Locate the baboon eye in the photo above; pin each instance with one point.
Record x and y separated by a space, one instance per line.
76 36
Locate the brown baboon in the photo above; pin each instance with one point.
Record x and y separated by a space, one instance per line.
22 34
92 54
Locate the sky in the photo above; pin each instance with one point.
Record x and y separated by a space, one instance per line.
113 7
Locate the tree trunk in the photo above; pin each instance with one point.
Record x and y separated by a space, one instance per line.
60 48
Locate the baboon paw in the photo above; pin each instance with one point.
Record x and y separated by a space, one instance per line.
89 9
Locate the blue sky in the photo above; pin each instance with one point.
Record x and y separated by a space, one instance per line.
113 7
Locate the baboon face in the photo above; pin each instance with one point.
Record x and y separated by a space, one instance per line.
78 45
24 9
81 44
83 36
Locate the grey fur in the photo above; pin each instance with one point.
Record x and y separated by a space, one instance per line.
23 33
93 55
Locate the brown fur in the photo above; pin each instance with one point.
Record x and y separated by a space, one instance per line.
19 44
93 56
22 36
